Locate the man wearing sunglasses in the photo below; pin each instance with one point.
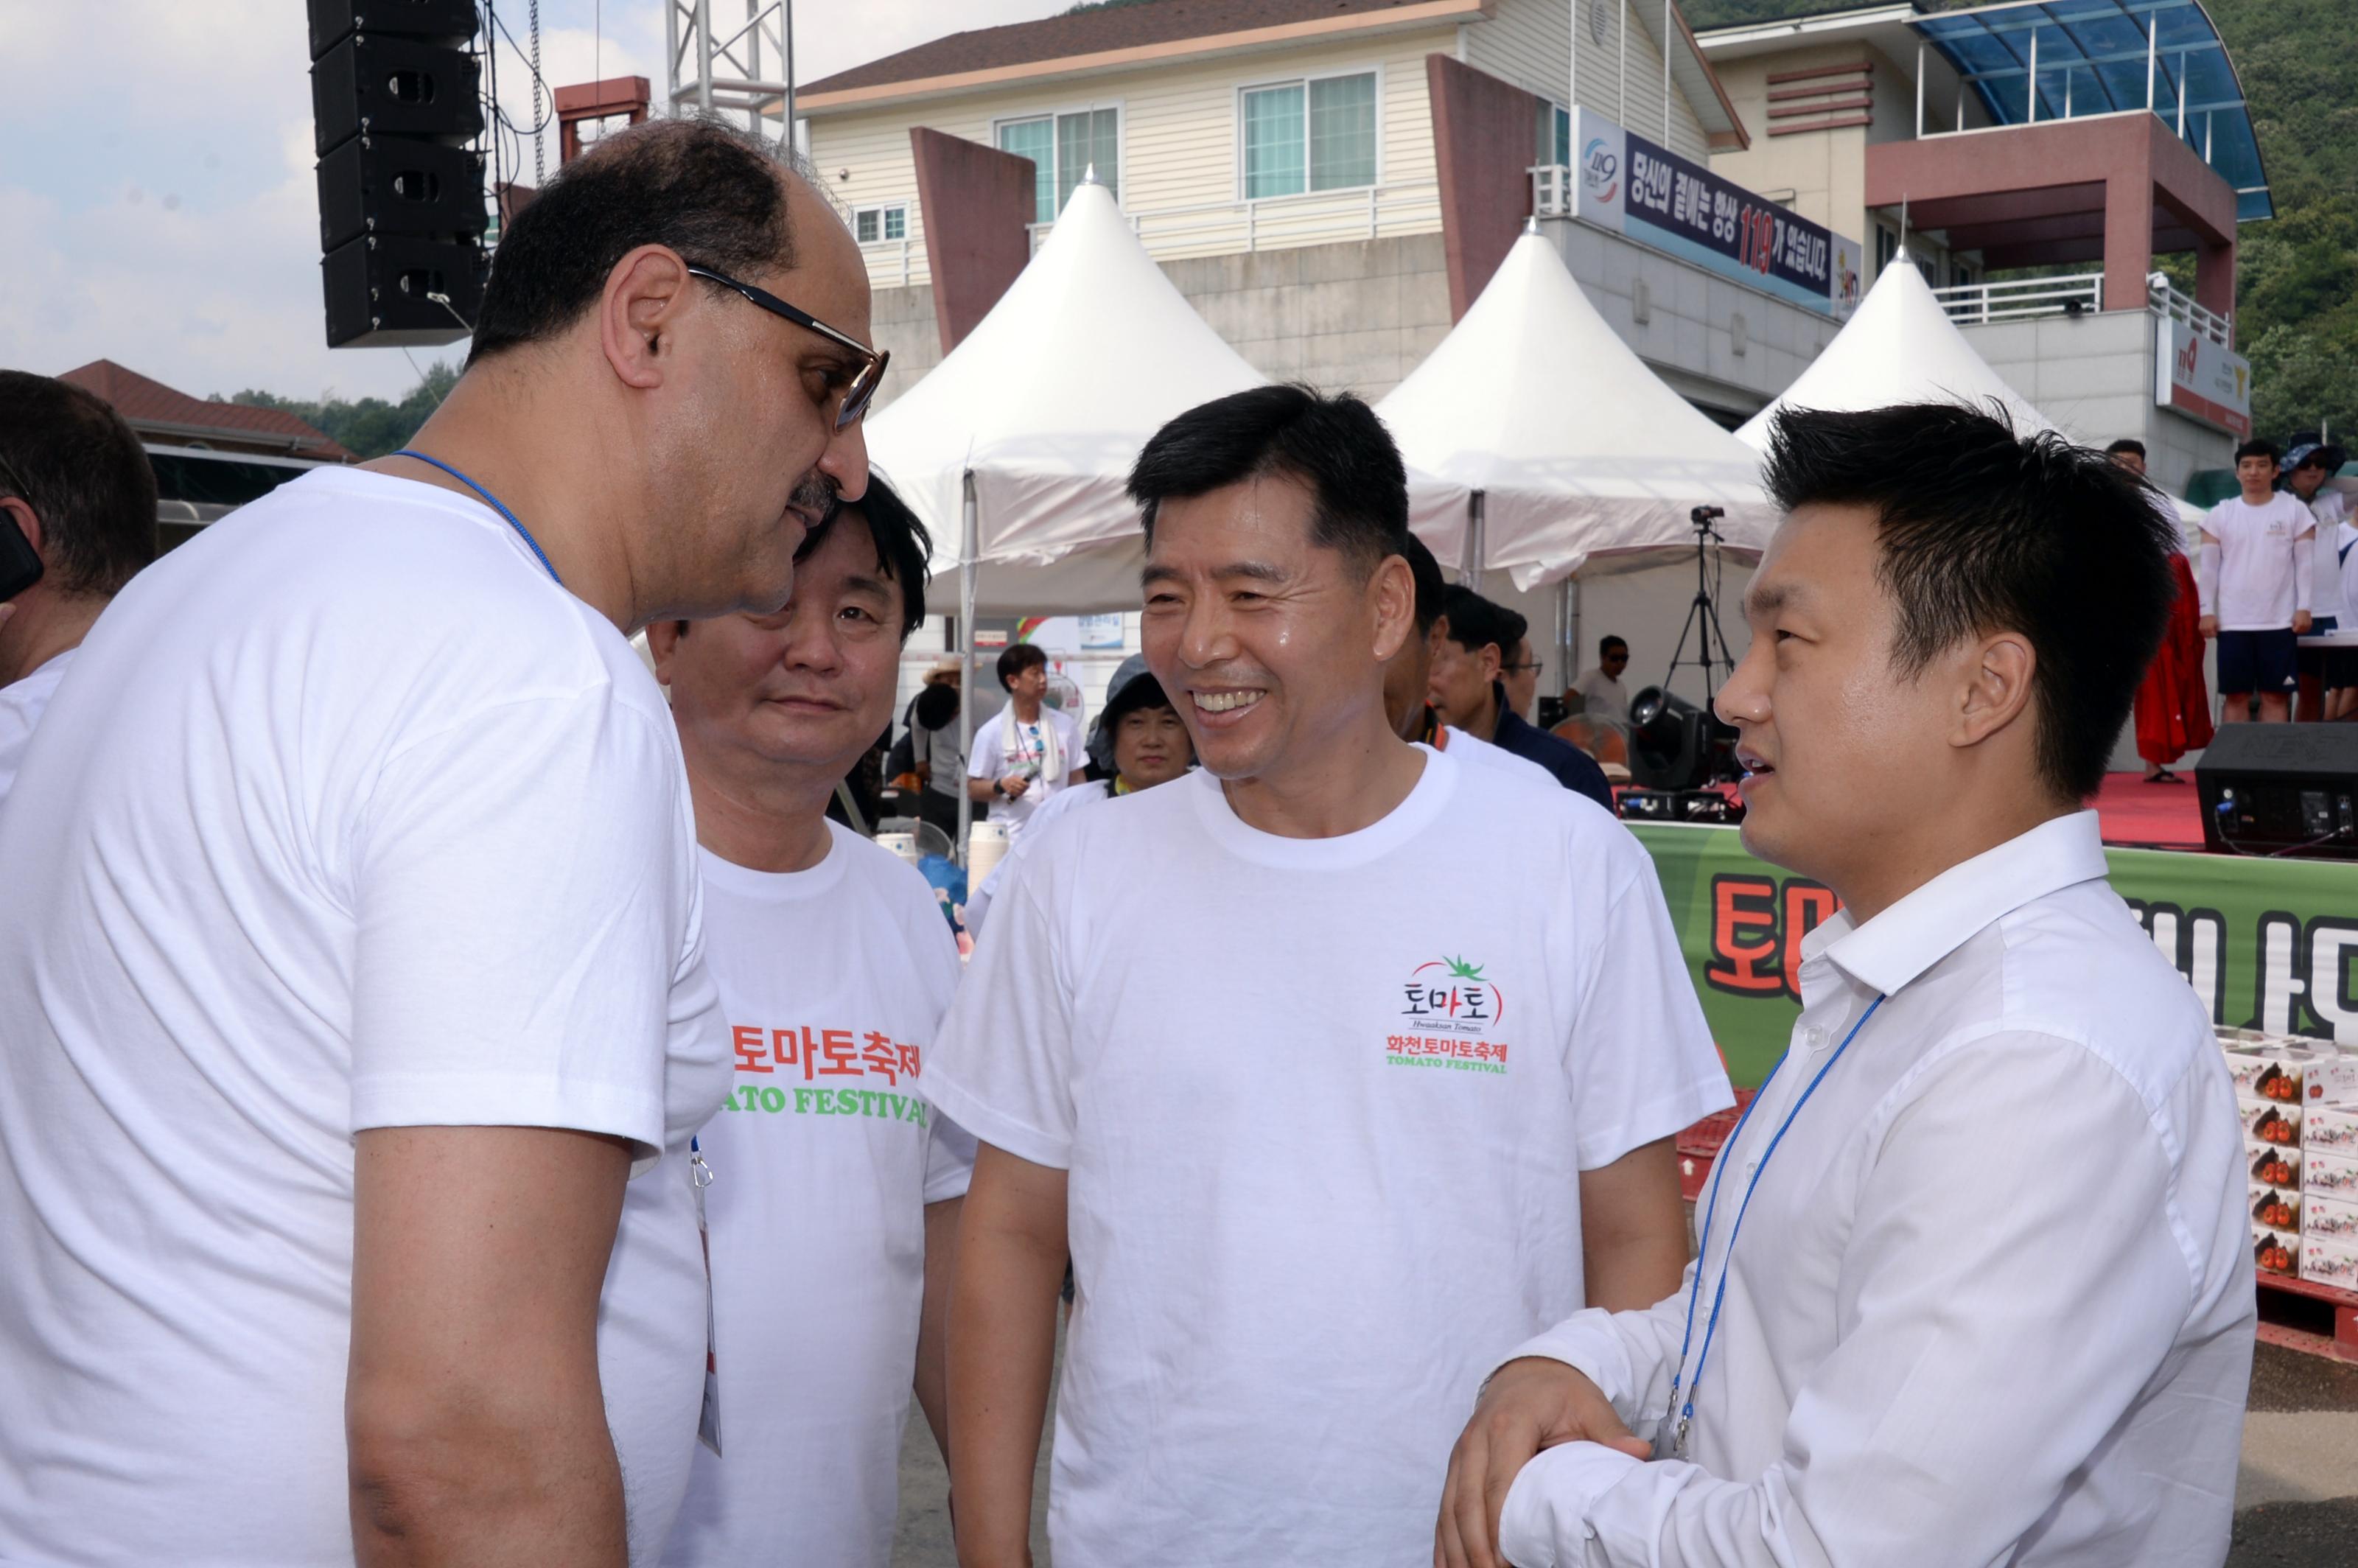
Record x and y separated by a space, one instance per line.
352 976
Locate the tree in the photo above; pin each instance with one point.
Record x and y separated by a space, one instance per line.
369 428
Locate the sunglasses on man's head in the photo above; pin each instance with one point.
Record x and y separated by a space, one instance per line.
863 385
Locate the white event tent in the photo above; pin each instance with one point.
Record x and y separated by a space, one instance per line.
1898 346
1015 448
1578 458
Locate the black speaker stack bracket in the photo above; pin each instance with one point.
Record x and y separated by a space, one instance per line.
2280 789
395 101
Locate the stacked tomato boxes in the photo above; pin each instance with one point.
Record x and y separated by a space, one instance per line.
2298 1099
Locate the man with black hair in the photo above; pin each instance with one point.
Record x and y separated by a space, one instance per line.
1603 698
2254 574
1476 634
1031 750
76 483
1408 678
2002 1114
384 1005
1319 1144
2128 454
2326 675
834 1187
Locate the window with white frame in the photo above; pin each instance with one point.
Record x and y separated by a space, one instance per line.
873 225
1318 134
1063 147
1554 136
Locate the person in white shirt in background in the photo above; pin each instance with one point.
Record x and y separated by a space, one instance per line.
2328 676
835 1190
1996 1304
1149 746
351 982
2255 573
76 483
1321 1140
1030 751
1408 678
1604 699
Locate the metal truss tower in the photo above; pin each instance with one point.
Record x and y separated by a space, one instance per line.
732 67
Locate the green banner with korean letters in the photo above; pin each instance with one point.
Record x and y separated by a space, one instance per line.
2267 943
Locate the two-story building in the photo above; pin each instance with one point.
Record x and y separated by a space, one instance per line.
1329 181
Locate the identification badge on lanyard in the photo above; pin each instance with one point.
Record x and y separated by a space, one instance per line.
708 1423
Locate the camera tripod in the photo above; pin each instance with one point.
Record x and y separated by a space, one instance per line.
1702 613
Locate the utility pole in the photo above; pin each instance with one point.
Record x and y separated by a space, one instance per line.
718 68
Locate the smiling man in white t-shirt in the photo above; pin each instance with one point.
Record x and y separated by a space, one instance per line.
351 992
1322 1136
834 1188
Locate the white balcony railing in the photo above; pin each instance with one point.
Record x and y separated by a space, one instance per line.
1977 304
896 264
1551 190
2165 299
1282 222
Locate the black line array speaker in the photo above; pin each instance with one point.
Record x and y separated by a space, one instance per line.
395 96
2281 789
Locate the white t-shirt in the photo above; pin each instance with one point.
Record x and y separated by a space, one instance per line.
21 702
2257 590
350 818
1323 1105
1607 698
2345 545
833 981
2331 508
996 758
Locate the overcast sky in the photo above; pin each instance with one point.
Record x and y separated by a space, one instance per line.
155 171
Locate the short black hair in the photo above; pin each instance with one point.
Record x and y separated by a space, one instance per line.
2258 447
1015 659
1336 446
937 706
1607 643
905 551
709 190
1140 691
2126 444
1475 622
1430 584
83 472
1985 530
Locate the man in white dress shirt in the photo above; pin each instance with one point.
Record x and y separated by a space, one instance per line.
1996 1305
75 483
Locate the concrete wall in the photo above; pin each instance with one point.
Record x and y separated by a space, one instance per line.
1689 334
2094 375
903 321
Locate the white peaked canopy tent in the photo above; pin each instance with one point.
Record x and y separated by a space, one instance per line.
1016 447
1898 346
1577 458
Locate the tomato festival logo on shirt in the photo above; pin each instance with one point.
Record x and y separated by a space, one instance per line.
1449 1010
827 1053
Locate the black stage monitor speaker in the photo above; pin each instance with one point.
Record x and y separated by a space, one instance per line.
444 21
1675 745
2289 789
394 87
381 291
391 185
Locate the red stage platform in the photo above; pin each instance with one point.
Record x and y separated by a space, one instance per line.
2135 815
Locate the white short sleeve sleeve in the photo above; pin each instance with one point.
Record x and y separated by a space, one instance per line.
521 895
982 762
1003 1068
950 1161
1642 1063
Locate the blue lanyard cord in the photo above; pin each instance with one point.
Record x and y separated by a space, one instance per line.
1702 1251
496 504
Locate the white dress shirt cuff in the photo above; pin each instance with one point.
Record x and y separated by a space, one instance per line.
1585 1342
1545 1522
